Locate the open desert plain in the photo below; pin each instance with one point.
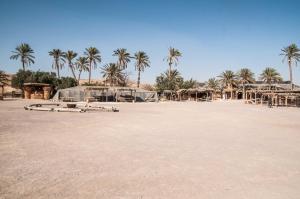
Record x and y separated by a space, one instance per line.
211 150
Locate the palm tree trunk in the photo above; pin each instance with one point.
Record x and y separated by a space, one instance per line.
139 78
170 68
79 74
90 72
58 73
291 74
23 65
244 91
73 72
57 68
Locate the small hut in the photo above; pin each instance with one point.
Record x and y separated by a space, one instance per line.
37 91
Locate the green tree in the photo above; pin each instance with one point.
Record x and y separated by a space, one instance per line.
21 77
172 58
123 58
3 77
270 75
228 79
187 84
142 61
82 65
70 56
112 73
245 76
214 85
291 53
58 60
94 57
168 81
65 82
25 53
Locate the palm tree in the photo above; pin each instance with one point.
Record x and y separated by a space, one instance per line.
291 53
245 76
172 58
24 52
213 84
93 56
70 55
142 61
123 57
270 75
112 73
82 65
228 80
58 59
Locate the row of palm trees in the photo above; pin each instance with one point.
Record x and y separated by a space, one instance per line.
230 79
112 71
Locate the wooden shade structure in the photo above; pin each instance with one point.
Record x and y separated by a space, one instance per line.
37 91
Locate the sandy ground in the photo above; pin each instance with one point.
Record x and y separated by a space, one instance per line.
217 150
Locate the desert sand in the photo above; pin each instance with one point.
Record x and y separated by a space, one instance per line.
177 150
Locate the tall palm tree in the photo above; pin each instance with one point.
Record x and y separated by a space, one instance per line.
291 53
142 61
228 80
112 73
82 65
245 76
24 52
270 75
93 56
172 58
123 57
58 59
70 56
213 84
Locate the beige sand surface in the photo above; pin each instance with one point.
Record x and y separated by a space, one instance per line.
218 150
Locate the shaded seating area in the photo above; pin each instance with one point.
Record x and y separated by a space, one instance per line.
168 95
192 94
105 94
37 91
273 95
195 94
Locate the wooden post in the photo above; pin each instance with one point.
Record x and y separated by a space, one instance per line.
286 100
255 97
196 96
106 97
2 92
134 95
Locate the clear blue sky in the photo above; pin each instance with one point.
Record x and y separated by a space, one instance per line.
212 35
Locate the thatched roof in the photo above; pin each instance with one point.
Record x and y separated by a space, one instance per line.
36 84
